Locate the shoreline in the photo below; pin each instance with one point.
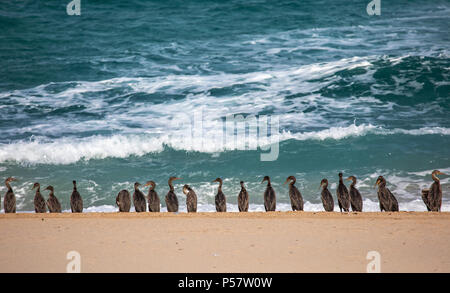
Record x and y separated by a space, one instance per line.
251 214
226 242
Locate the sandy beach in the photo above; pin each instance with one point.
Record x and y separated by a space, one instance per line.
230 242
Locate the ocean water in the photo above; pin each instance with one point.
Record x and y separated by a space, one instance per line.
98 98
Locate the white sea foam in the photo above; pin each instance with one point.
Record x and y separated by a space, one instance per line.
269 93
71 150
405 186
368 206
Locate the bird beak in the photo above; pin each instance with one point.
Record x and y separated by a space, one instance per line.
440 173
376 183
349 178
287 180
177 178
146 184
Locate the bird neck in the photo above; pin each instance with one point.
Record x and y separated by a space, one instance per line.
38 190
353 183
170 186
7 185
435 178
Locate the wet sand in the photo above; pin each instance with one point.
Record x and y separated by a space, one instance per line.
228 242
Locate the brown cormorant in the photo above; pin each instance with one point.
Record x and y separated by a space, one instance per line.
76 202
152 197
270 198
327 198
243 198
294 194
388 202
123 201
433 197
171 197
355 197
39 201
9 202
342 195
191 199
221 202
139 199
52 202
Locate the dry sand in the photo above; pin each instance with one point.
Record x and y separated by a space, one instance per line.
230 242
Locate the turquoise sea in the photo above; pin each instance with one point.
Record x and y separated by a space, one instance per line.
98 97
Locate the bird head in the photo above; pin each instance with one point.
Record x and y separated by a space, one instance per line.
290 178
173 178
49 188
186 189
324 182
437 172
152 183
10 179
379 180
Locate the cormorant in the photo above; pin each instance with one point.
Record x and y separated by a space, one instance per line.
433 197
221 202
191 199
327 198
76 202
39 201
139 199
355 197
294 194
342 195
9 203
270 199
171 197
123 201
152 197
52 202
388 202
243 198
